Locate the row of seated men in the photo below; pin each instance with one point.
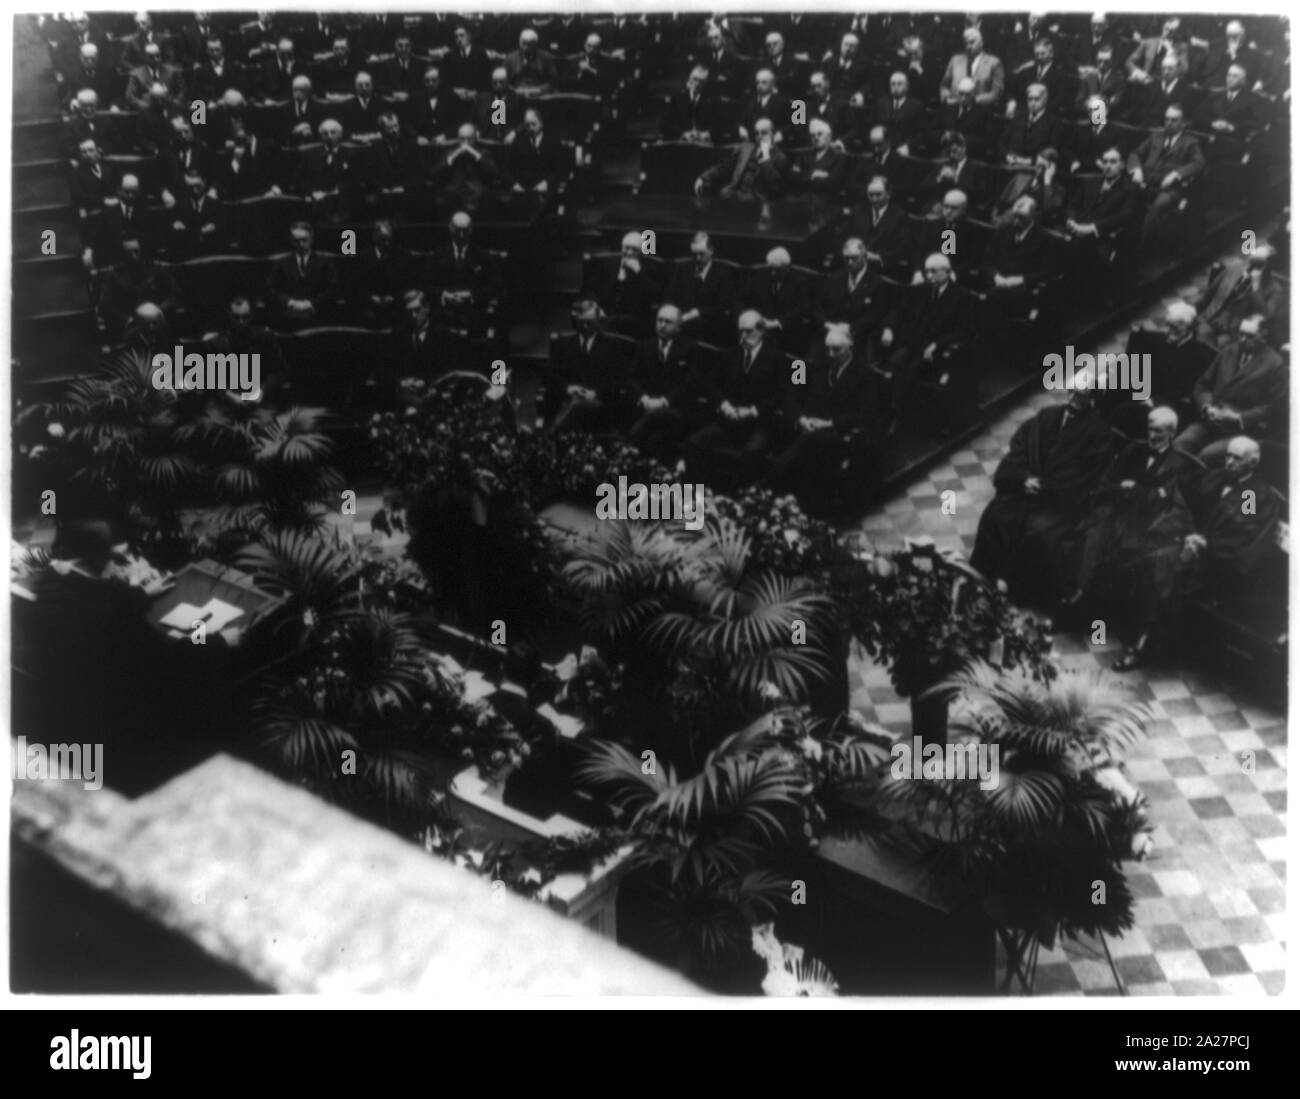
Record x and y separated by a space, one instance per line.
1002 51
1130 533
340 177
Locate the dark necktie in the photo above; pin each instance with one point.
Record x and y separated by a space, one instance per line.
749 359
663 351
302 267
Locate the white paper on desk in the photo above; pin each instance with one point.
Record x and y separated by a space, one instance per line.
566 725
182 617
222 614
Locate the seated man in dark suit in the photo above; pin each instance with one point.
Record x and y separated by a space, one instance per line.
303 286
1033 129
535 161
393 163
625 288
903 115
278 72
381 273
836 409
121 219
241 336
1178 361
764 102
588 381
301 117
360 113
402 75
465 278
749 420
704 291
821 106
94 179
1103 220
1244 388
1018 259
421 349
974 121
928 327
466 171
1164 164
1054 460
693 113
950 233
199 223
1230 516
754 172
1242 289
327 175
134 280
883 227
497 111
671 391
823 169
1129 510
958 173
781 297
855 296
433 109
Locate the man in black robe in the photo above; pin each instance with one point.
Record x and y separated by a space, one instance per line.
1043 483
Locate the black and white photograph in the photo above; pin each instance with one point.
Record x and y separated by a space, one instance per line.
589 501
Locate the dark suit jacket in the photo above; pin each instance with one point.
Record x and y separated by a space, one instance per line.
714 296
460 173
486 113
1175 370
634 295
320 284
767 180
1237 538
318 171
276 84
976 126
784 299
845 81
727 71
288 120
1243 113
919 320
391 77
438 118
479 273
891 239
89 191
604 368
1227 299
472 71
766 386
251 180
968 241
1031 257
970 178
205 84
1087 143
1117 211
833 162
864 308
1184 157
848 397
192 238
905 123
358 118
1255 391
1025 138
682 379
777 111
681 116
399 164
529 166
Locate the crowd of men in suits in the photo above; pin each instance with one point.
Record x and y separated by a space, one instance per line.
1004 132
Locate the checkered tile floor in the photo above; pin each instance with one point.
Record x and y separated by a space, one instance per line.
1211 907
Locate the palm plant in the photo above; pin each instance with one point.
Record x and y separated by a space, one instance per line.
1044 846
673 604
709 841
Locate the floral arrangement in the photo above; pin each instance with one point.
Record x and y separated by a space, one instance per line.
925 613
789 971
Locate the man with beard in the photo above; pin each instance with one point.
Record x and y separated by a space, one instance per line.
1131 508
1054 460
1232 515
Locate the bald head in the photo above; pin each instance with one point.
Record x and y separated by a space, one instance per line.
1242 456
778 257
